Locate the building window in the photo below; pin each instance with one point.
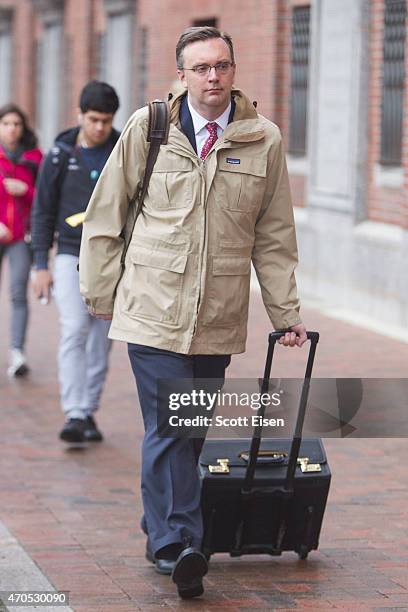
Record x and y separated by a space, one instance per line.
142 66
210 21
117 55
49 70
100 62
299 79
49 63
393 81
5 56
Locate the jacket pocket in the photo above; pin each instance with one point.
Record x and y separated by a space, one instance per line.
228 291
154 285
171 182
240 186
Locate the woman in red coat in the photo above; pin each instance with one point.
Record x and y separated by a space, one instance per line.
19 162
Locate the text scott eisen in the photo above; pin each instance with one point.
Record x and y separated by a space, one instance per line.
221 421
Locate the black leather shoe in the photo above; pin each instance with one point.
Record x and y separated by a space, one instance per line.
73 431
188 573
92 433
162 566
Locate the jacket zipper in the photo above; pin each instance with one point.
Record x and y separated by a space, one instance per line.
201 167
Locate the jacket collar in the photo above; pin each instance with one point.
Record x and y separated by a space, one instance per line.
186 122
20 155
69 137
245 126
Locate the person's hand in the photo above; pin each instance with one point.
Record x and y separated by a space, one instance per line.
5 234
15 187
42 282
295 337
99 315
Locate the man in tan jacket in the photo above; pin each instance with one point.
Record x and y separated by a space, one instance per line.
218 199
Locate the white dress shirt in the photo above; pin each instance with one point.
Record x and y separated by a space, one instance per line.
199 123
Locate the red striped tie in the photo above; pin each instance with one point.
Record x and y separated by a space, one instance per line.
211 140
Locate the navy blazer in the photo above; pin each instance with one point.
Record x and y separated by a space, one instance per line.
186 121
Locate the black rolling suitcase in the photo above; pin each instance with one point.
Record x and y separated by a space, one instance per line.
265 496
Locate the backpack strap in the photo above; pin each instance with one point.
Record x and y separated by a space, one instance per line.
157 134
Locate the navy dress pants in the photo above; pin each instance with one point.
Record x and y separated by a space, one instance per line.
169 481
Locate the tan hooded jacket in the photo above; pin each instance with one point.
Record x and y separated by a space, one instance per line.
185 287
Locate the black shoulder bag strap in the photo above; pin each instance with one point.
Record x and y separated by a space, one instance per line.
157 134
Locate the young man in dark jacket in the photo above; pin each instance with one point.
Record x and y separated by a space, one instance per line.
64 187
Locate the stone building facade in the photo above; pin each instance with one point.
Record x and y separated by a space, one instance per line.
331 73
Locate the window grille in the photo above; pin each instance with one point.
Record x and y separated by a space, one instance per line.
210 21
299 79
142 68
393 81
6 56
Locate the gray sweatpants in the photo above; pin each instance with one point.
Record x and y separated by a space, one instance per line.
84 344
19 259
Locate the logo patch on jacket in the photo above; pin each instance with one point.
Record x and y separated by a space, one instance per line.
73 163
233 160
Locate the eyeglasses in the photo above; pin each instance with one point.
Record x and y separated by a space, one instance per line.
205 69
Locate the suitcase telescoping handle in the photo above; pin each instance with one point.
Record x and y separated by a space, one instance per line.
297 436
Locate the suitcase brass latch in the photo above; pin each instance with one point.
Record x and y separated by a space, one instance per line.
222 468
268 454
305 466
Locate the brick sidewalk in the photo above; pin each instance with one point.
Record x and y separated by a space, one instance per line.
76 512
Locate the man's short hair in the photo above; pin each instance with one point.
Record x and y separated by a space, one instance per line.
195 34
98 96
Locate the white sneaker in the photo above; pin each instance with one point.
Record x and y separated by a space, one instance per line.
18 363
